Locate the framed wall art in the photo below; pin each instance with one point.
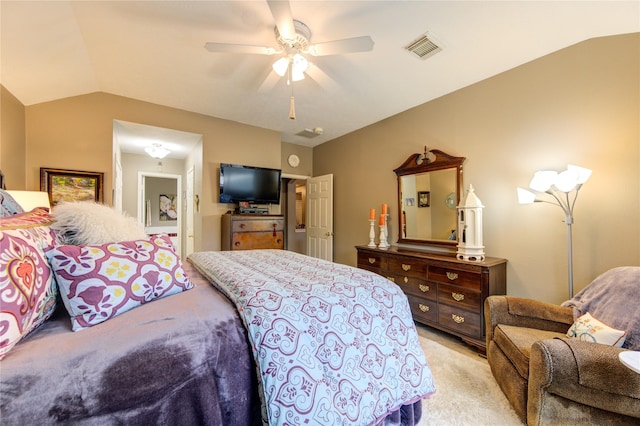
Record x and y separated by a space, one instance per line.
424 198
71 185
168 207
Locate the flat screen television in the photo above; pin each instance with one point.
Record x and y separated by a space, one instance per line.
256 185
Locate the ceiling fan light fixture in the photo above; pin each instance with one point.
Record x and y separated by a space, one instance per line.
280 66
300 63
297 75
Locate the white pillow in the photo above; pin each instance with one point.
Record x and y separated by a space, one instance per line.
89 223
589 329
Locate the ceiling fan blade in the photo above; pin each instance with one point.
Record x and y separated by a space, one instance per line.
322 78
336 47
239 48
269 82
281 11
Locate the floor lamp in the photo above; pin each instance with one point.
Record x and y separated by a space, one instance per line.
561 189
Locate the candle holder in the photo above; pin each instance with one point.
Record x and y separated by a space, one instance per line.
383 234
372 233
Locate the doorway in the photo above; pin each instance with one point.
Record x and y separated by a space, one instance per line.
160 204
295 210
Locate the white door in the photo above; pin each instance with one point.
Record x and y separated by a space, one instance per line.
189 248
320 217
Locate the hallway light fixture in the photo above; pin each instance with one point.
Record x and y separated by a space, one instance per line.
157 151
558 187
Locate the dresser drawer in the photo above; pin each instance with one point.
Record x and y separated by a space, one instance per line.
408 266
459 297
252 225
258 240
460 320
422 309
372 261
413 285
455 276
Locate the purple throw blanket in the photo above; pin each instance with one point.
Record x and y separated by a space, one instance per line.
334 345
612 298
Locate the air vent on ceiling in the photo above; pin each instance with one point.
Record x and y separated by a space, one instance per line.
424 47
311 133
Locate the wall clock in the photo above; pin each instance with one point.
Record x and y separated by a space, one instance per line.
293 160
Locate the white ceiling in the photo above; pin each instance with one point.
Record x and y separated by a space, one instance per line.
154 51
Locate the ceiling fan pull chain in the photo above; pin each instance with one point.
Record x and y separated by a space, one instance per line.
292 103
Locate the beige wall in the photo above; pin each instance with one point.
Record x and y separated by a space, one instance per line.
580 105
305 153
12 140
77 133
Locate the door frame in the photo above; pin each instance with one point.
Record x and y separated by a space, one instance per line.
141 201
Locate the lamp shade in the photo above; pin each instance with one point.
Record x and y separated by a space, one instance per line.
300 63
566 180
543 180
280 66
525 196
583 173
29 200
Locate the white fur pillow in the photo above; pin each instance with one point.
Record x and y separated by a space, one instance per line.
89 223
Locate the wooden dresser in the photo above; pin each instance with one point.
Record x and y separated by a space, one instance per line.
249 231
444 293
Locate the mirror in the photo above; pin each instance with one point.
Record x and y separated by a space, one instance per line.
429 189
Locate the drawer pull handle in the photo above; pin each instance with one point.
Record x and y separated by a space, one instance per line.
406 267
452 276
406 280
242 226
457 318
392 279
372 260
423 308
458 297
424 288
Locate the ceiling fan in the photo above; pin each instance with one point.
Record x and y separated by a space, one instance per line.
293 37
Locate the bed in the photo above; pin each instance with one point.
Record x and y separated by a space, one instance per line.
211 355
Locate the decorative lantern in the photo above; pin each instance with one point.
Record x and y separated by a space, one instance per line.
470 228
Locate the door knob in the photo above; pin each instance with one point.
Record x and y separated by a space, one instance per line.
329 234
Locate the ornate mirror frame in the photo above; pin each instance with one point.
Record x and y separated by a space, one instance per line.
429 161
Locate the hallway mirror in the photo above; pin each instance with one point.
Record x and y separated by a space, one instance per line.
429 189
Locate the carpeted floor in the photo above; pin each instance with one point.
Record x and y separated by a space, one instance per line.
466 392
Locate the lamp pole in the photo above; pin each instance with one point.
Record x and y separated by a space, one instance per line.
569 221
548 183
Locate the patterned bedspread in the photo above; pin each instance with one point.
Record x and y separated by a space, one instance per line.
334 345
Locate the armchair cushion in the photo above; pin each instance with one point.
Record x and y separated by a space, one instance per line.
515 342
611 299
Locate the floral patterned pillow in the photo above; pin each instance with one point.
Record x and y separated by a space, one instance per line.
27 289
589 329
99 282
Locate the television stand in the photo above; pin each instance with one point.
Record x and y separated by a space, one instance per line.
247 232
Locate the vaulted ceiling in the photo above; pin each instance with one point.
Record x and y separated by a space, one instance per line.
154 51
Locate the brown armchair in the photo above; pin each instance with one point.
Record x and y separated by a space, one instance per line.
551 379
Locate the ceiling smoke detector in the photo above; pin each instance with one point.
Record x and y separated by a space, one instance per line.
424 47
311 133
